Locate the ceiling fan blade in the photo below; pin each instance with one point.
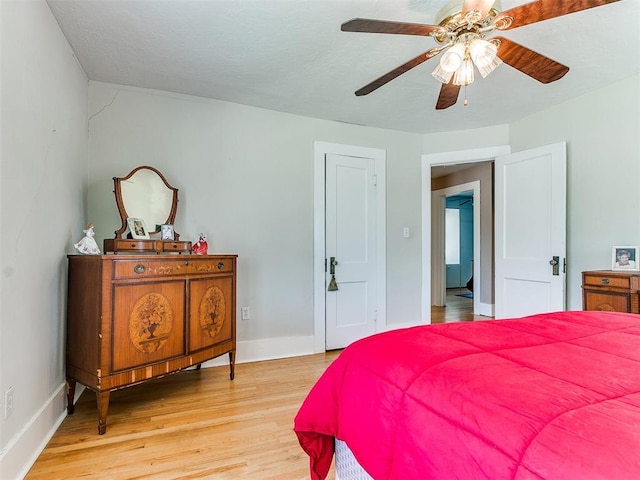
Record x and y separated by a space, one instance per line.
531 63
482 6
448 95
384 26
543 10
396 72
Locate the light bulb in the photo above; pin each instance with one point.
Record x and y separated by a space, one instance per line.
464 75
452 58
482 52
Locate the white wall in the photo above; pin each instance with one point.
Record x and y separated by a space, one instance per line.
602 131
246 181
43 167
460 140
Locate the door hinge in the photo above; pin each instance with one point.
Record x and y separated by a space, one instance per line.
375 315
375 180
325 265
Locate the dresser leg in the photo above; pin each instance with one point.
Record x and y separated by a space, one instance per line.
232 364
71 393
103 405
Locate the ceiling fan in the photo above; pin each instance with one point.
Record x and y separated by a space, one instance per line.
463 33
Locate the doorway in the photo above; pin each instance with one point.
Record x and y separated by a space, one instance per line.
483 262
452 273
458 241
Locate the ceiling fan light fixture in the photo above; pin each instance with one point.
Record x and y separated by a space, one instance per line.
464 75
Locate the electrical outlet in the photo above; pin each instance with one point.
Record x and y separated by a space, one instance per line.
8 402
246 313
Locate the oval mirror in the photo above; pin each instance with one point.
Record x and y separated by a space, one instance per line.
147 195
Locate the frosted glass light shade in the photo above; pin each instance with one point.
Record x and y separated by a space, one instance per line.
487 69
441 74
453 58
482 52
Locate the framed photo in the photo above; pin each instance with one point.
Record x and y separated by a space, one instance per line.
166 232
625 258
138 228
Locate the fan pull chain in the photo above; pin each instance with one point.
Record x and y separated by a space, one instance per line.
465 96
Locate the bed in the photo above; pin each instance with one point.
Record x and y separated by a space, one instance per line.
551 396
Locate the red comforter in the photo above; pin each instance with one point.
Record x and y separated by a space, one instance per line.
553 396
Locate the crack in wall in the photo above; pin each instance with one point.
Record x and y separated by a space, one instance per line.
106 106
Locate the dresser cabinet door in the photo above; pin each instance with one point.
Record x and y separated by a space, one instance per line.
211 310
606 301
148 323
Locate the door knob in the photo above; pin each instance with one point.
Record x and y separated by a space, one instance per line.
333 285
555 262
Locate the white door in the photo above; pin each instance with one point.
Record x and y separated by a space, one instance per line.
530 231
350 241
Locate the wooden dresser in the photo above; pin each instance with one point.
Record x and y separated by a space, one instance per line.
608 290
132 318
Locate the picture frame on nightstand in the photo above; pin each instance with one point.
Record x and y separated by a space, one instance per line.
625 258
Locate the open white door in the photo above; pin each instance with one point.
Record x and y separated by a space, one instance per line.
530 231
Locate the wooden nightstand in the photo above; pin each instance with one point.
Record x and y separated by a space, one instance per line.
608 290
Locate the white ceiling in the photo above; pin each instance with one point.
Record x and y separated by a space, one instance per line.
290 56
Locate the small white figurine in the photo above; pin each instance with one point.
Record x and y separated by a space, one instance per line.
88 245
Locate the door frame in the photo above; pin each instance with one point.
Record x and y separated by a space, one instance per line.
320 150
438 269
438 159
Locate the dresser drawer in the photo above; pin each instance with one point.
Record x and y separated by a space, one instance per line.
604 280
211 265
149 268
178 265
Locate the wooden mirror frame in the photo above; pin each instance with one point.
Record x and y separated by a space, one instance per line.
119 243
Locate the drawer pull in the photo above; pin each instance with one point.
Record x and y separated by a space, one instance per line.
220 265
186 263
604 281
139 268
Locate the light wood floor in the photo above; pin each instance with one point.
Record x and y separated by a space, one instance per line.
199 424
458 309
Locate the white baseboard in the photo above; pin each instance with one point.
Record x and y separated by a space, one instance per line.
267 349
24 448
